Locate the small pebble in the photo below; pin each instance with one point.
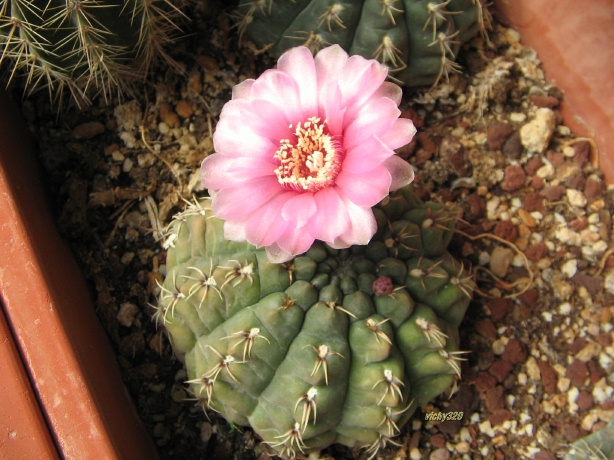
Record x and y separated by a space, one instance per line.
87 130
127 314
535 135
576 198
500 260
570 268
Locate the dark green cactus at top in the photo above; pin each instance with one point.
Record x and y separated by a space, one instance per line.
335 346
84 45
417 39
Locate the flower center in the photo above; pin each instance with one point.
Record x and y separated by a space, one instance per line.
313 161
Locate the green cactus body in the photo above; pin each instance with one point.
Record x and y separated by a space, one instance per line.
84 45
417 39
335 346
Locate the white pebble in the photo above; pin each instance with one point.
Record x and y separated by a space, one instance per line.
127 166
547 316
570 268
565 308
163 128
576 198
567 236
535 135
517 117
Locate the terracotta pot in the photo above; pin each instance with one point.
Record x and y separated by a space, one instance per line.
62 393
574 41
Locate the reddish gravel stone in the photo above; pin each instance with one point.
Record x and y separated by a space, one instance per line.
585 400
548 102
536 252
537 182
572 432
579 224
582 151
477 205
533 201
577 180
553 192
593 284
530 297
438 440
507 230
549 376
497 133
513 179
577 372
485 359
426 142
501 369
533 165
512 147
515 352
596 371
499 417
493 398
484 381
486 328
499 455
500 307
593 189
577 345
555 158
543 455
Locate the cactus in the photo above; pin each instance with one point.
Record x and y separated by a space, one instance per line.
334 346
417 39
84 45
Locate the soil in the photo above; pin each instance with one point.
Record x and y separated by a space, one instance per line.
536 229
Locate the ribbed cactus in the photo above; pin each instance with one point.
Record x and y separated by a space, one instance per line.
417 39
84 45
335 346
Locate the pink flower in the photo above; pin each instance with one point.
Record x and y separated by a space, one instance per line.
305 151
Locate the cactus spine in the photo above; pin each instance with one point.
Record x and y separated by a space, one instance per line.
84 46
335 346
417 39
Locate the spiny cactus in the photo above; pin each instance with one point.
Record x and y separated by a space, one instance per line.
417 39
335 346
84 45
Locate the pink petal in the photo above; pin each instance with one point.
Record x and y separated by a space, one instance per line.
329 63
238 201
241 140
374 118
391 91
401 172
299 209
261 116
280 89
330 107
400 133
263 228
365 190
214 171
299 64
360 78
365 156
332 218
243 90
362 228
295 241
